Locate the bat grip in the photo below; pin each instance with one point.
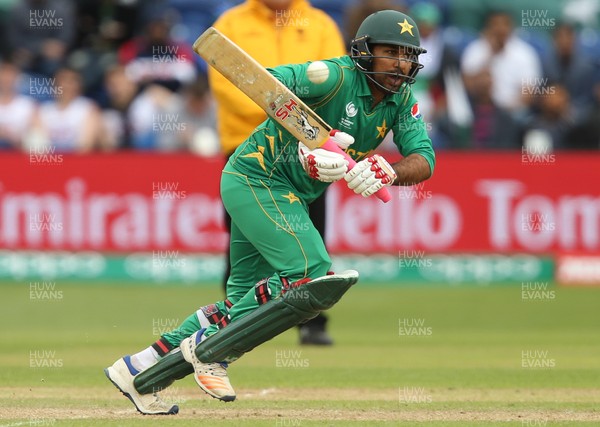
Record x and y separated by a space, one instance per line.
382 194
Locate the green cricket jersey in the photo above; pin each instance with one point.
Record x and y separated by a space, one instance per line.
344 101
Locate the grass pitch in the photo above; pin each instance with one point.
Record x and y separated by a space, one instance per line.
403 356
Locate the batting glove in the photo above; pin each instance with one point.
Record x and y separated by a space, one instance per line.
342 139
321 164
370 175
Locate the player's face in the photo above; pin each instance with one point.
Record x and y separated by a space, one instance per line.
394 60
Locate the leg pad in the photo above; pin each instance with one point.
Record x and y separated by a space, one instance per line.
266 322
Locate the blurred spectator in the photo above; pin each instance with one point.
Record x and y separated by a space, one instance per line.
121 90
468 15
429 88
359 10
71 122
552 120
586 136
493 127
514 65
5 8
102 27
155 57
108 23
40 34
334 8
17 112
155 119
428 17
196 16
584 12
199 115
571 69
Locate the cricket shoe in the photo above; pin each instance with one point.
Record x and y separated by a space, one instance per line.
121 374
211 377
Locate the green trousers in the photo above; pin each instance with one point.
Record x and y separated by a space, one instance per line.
272 237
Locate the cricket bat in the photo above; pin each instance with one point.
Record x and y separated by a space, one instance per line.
280 103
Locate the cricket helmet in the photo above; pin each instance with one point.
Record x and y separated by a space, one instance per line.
387 27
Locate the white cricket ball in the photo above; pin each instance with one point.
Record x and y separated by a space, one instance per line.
317 72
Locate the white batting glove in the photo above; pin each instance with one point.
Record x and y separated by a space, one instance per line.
342 139
370 175
321 164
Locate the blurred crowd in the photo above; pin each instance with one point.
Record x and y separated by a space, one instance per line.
104 75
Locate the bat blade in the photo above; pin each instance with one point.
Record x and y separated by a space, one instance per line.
280 103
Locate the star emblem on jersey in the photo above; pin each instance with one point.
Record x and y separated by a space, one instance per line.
382 130
406 27
259 156
291 197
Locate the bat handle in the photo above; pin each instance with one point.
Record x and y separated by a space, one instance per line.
382 194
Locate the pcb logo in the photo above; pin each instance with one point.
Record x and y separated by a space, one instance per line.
415 112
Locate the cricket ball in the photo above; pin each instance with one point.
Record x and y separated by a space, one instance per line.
317 72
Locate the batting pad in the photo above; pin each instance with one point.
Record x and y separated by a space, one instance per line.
266 322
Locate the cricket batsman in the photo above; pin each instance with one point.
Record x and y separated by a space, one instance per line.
280 272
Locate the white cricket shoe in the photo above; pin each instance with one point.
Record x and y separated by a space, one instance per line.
121 374
211 377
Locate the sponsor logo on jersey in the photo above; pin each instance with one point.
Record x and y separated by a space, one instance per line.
414 111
